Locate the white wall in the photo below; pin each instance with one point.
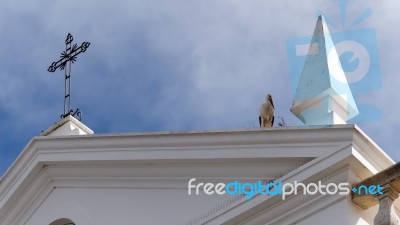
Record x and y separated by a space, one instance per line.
100 206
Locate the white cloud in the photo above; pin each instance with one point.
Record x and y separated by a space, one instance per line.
172 65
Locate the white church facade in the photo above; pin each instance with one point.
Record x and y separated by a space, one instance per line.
71 176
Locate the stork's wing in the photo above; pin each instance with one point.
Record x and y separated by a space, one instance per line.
259 120
272 122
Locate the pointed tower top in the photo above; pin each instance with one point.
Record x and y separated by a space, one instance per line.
67 126
323 95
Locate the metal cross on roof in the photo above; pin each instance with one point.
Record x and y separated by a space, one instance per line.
67 57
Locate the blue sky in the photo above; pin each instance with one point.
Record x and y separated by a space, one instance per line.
172 65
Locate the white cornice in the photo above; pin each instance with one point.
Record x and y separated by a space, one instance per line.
69 159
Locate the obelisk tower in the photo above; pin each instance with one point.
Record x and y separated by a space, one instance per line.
323 95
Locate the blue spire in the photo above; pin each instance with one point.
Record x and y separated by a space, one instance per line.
323 95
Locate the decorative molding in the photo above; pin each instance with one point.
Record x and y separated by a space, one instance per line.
100 160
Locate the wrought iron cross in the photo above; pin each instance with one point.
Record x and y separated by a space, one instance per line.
67 57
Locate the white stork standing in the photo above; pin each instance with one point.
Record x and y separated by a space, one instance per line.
267 109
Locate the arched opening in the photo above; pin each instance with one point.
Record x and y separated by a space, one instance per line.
62 221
